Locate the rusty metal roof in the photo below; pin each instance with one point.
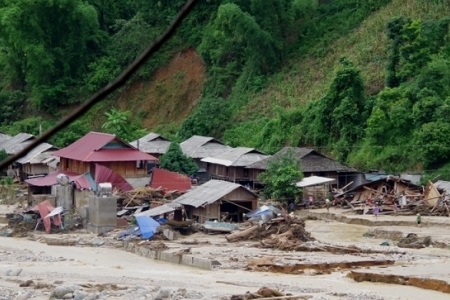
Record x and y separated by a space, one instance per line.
152 143
203 146
209 192
237 157
100 147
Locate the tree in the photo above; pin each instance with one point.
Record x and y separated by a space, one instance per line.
47 44
176 161
280 177
120 124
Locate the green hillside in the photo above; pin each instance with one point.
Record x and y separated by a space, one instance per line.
365 81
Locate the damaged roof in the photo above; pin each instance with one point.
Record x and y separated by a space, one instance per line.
237 157
99 147
208 193
310 161
15 143
152 143
203 146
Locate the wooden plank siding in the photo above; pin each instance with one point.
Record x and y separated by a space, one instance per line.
35 169
233 174
127 169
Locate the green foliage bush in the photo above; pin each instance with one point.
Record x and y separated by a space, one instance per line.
174 160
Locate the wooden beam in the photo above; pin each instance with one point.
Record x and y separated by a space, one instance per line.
238 204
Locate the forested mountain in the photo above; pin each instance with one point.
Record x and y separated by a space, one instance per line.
365 81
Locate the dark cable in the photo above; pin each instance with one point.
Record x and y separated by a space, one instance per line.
111 87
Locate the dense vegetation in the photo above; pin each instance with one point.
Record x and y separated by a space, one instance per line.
366 81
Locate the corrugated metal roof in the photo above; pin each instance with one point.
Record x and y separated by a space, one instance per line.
52 161
83 181
313 180
32 156
152 143
208 193
170 181
310 161
91 148
443 185
4 137
237 157
159 210
298 153
15 144
203 146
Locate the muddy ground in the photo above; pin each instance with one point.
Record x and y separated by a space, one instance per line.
97 268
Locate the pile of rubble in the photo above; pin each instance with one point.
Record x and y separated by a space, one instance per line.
393 195
144 195
266 293
285 233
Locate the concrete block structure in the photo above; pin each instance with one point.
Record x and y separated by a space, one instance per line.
102 214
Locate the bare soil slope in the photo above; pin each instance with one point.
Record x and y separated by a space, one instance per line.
170 94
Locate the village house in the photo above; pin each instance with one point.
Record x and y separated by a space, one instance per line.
313 163
152 143
231 165
4 137
109 151
218 200
34 163
13 145
198 147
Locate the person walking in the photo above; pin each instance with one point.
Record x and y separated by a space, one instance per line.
419 220
376 211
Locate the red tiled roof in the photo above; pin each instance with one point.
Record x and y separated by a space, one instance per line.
170 181
90 148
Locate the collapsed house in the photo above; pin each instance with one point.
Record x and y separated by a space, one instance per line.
218 200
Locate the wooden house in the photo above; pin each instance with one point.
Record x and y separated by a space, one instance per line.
153 144
216 200
313 163
34 163
106 150
198 147
12 145
231 165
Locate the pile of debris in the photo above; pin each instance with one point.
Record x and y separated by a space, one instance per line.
266 293
393 195
140 196
413 241
286 232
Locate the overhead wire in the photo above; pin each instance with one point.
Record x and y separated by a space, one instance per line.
108 89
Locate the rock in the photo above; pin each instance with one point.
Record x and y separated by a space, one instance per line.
68 296
163 294
26 283
80 295
60 291
96 242
13 272
24 296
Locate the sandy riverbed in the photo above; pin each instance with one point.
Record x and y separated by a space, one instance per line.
139 278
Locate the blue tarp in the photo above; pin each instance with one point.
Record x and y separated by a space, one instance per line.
161 221
147 226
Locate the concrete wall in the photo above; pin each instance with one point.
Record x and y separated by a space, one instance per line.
102 214
64 196
187 260
82 198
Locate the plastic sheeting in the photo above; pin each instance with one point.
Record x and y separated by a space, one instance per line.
147 226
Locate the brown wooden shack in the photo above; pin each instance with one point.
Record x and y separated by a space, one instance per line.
217 198
232 165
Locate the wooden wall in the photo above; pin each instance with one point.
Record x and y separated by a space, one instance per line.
127 169
228 173
35 169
